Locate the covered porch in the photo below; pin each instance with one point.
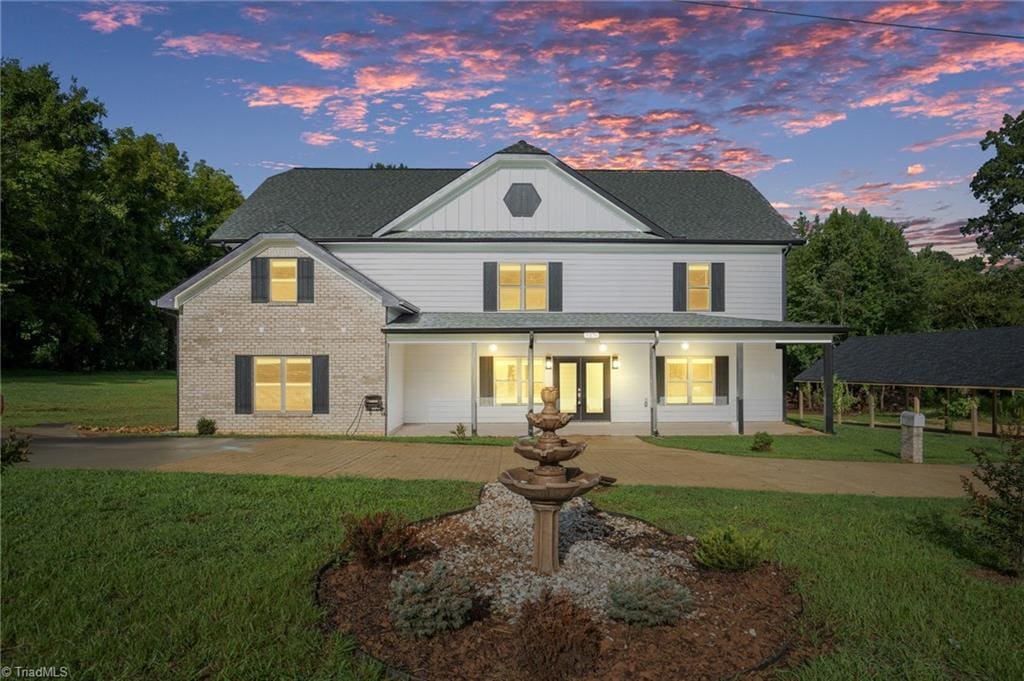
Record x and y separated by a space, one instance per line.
619 374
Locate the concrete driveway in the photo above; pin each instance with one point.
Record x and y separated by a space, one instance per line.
629 459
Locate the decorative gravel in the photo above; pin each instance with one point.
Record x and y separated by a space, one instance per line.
493 545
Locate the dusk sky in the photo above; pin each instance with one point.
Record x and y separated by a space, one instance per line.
817 114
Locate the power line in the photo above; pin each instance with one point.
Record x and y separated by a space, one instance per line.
748 8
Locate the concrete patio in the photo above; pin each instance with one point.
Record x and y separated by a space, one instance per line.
587 429
629 459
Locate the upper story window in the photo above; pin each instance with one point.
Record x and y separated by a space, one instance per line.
522 286
689 380
283 384
698 287
284 280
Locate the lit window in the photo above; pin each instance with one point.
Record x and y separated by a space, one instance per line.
522 287
689 380
511 380
284 280
698 287
283 384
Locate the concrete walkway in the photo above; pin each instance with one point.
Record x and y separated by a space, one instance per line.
629 459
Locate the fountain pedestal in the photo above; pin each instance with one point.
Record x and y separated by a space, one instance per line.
550 484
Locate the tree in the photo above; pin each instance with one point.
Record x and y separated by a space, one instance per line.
1000 183
388 166
964 294
96 225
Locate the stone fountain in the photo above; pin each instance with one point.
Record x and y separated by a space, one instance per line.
550 484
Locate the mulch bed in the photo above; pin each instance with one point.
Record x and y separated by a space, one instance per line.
742 624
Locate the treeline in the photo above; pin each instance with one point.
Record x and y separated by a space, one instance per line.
96 224
858 271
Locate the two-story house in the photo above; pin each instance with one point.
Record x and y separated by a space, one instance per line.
650 299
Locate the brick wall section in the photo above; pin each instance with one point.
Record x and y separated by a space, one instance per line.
344 322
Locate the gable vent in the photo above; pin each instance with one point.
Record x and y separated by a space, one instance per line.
522 200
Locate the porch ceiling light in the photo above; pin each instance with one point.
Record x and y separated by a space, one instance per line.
602 347
492 347
684 345
615 361
548 362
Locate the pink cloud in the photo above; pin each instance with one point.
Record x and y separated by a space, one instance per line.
800 126
306 98
960 59
943 140
352 40
349 112
915 169
318 139
110 17
324 59
368 146
379 79
458 94
667 30
214 44
257 13
893 97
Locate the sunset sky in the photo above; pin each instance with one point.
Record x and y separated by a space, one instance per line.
817 114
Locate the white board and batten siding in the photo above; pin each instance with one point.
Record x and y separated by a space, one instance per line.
566 205
595 278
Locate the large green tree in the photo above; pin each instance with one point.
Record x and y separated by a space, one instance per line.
1000 184
96 224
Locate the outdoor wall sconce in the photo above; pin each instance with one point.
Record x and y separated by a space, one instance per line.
615 361
547 362
684 346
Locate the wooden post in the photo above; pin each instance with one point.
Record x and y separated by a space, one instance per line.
995 412
826 388
871 409
800 400
917 403
974 413
946 415
881 398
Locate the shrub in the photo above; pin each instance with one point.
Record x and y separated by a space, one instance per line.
555 639
762 442
427 605
205 426
648 602
729 549
460 431
14 449
997 512
379 540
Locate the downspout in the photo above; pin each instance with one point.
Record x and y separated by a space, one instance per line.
654 384
529 361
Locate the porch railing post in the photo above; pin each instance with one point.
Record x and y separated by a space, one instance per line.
473 388
739 388
529 372
654 385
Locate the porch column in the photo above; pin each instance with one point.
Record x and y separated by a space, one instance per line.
654 385
529 372
826 386
473 388
739 388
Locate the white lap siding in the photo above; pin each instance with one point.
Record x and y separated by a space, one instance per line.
602 278
344 323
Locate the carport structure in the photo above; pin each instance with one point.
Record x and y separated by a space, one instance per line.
990 360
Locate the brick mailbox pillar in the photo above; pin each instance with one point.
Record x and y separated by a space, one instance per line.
912 437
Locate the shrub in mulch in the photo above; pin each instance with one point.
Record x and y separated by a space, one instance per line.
380 540
555 639
205 426
652 602
762 442
726 548
422 606
14 449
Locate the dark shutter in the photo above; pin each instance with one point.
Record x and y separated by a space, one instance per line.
321 384
660 371
305 271
554 287
260 269
490 286
718 287
722 379
243 384
487 379
679 287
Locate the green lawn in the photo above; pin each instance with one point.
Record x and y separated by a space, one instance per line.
850 443
123 575
107 399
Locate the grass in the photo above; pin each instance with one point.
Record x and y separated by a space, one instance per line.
105 399
850 443
127 575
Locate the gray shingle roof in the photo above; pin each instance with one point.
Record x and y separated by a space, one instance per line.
521 236
982 358
353 203
440 322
